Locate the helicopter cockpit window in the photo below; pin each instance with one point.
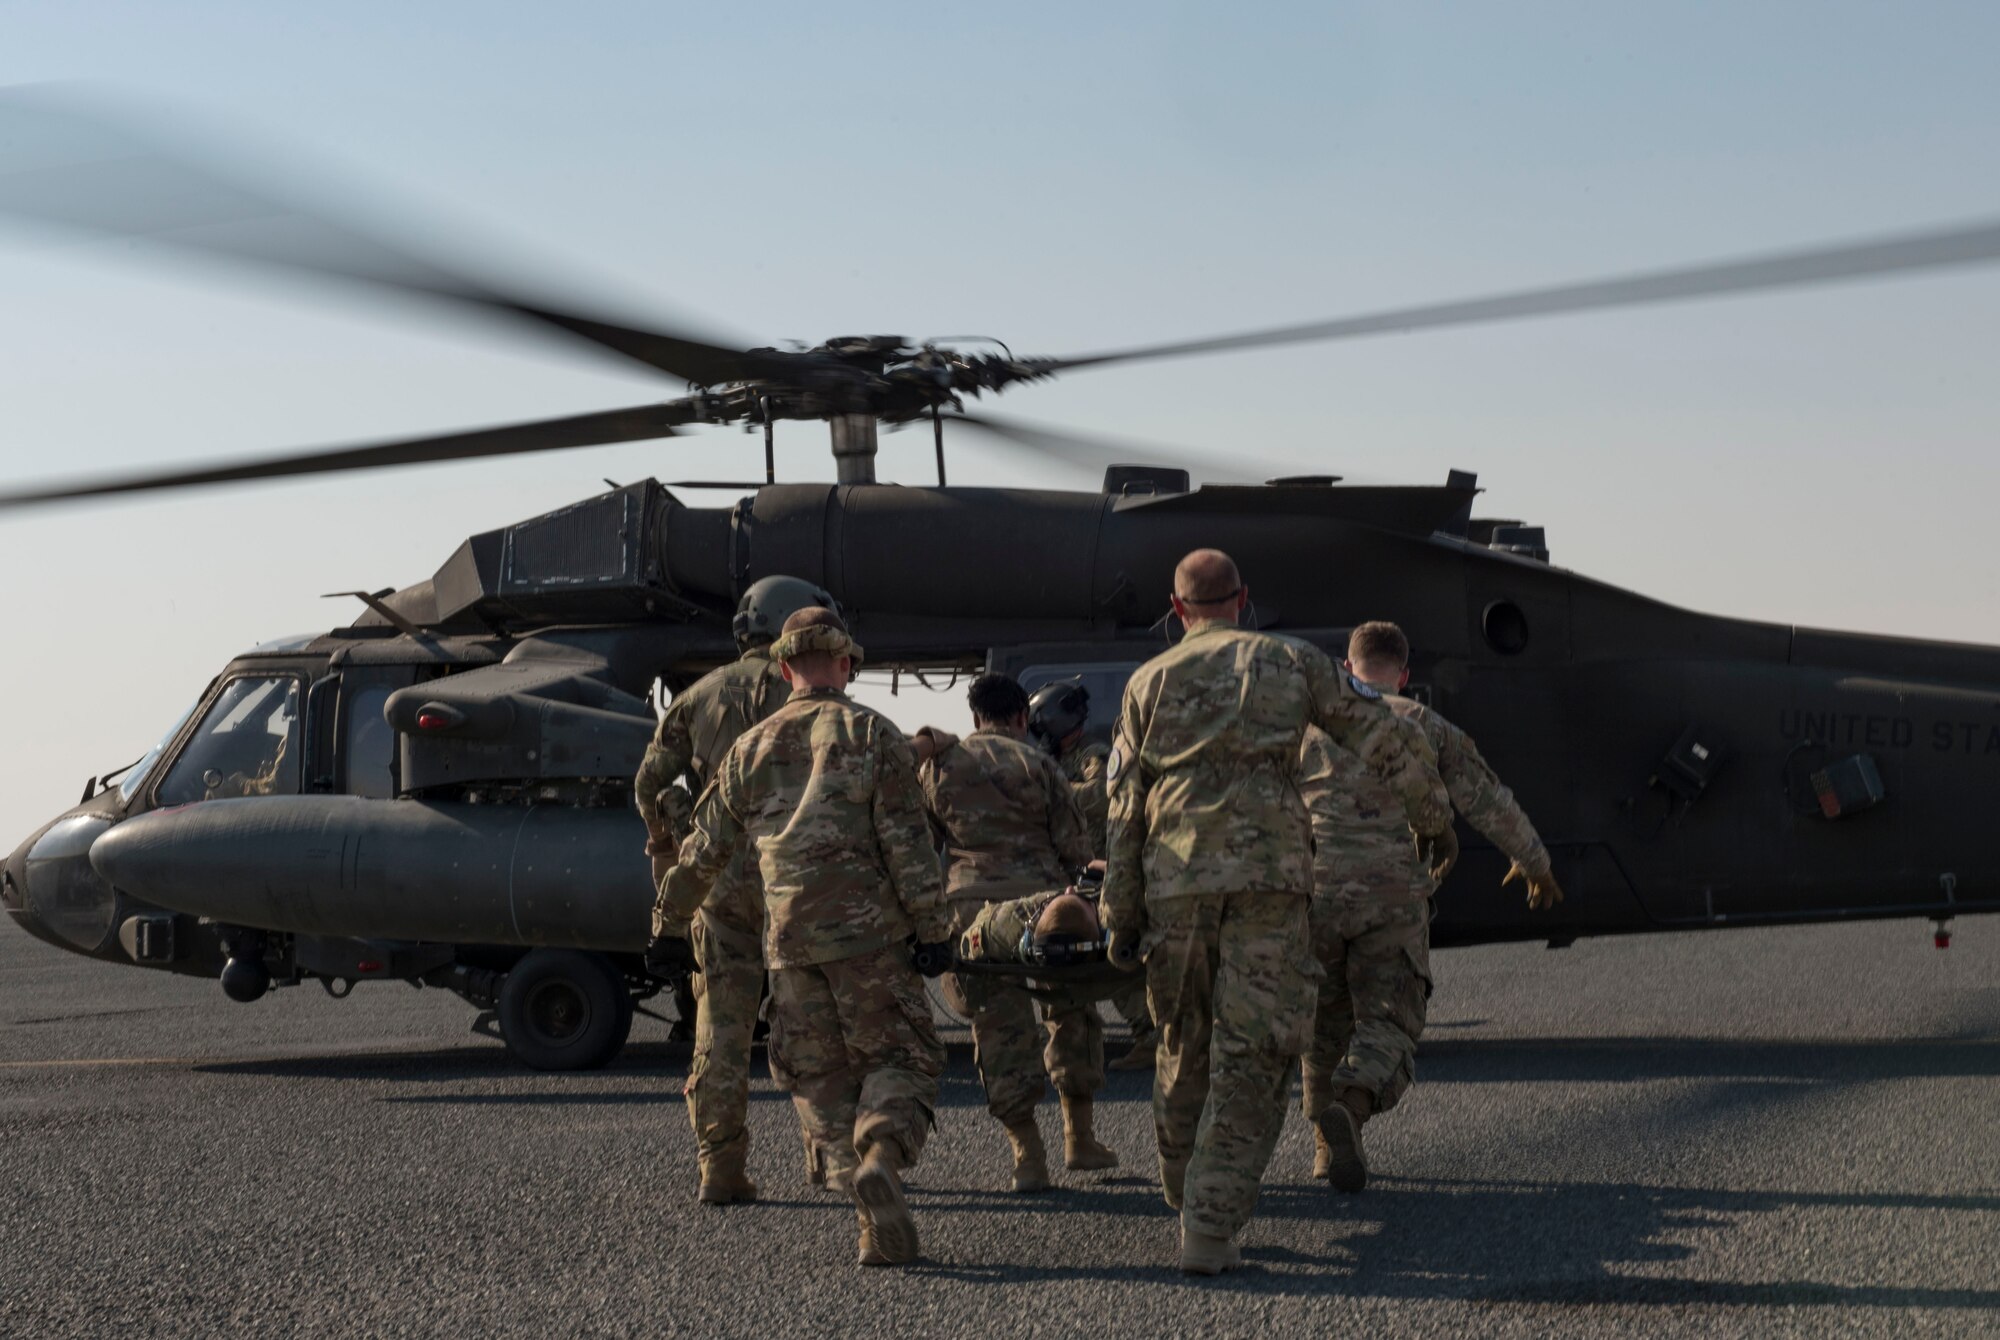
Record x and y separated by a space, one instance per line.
247 745
136 775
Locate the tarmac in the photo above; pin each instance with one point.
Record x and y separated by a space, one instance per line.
1754 1132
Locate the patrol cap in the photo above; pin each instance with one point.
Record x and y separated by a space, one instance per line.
815 629
769 601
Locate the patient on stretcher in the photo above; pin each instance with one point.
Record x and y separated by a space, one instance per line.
1051 929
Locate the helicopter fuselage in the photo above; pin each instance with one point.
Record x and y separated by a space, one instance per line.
446 782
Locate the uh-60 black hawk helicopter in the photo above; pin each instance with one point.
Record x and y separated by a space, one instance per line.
440 792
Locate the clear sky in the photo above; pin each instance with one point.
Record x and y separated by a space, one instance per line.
1067 177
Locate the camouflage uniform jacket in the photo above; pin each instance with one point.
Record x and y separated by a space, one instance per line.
826 792
995 935
1084 767
1361 846
694 735
1004 812
696 731
1204 774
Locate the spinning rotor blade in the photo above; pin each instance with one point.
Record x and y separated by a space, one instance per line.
1975 245
582 430
67 163
1098 452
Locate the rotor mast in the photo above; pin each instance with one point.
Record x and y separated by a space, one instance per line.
853 447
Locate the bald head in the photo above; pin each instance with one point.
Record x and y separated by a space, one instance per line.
1207 586
1067 914
1206 577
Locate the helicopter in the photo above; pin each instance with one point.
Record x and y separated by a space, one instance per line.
439 792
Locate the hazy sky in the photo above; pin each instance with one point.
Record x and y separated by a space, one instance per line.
1067 177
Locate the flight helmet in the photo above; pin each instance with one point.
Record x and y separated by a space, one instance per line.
1057 709
769 601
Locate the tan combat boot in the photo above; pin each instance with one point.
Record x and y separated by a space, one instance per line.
870 1254
1081 1150
724 1181
888 1233
1339 1124
815 1160
831 1168
1205 1255
1322 1155
1031 1159
1173 1181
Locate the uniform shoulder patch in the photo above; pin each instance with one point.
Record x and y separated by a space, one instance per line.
1114 764
1365 689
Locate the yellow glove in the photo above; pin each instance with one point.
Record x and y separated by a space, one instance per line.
1543 891
1438 851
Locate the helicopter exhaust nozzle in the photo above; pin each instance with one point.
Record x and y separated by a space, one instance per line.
392 869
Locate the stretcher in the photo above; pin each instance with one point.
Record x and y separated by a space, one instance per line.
1083 982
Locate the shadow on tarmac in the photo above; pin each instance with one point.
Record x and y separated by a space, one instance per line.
1420 1238
1624 1059
662 1063
1548 1242
1444 1061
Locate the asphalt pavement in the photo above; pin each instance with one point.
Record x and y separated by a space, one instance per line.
1768 1132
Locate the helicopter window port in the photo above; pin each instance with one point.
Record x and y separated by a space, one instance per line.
246 745
1505 628
370 743
1848 786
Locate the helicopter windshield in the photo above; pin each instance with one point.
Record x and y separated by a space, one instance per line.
135 776
247 745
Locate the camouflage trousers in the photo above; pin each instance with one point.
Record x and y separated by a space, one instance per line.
852 1042
1230 979
1014 1041
1372 1003
727 992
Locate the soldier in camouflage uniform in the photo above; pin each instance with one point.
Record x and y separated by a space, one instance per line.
826 794
1371 907
1057 714
1010 826
1012 931
694 735
1211 873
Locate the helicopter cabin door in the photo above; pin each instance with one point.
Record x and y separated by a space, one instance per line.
365 745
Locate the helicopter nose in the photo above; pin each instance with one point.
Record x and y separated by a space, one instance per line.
14 883
49 887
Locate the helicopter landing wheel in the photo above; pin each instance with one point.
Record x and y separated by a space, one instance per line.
562 1009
